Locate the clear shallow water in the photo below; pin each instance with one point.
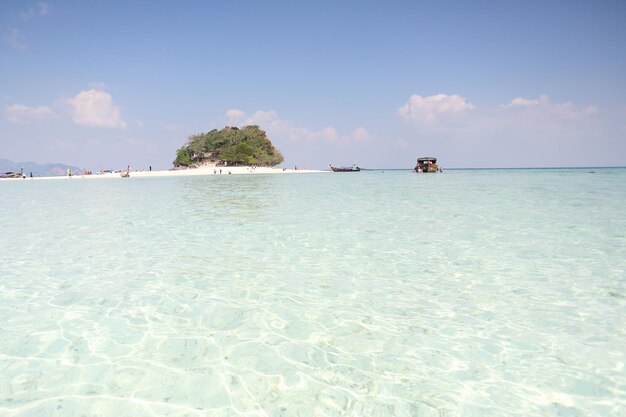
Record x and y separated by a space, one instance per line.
472 293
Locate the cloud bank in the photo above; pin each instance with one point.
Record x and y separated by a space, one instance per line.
93 108
275 126
21 114
523 102
451 114
543 105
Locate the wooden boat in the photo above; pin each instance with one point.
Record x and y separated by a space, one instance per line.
426 164
125 174
353 168
12 175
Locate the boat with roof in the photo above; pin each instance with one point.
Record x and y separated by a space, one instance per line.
427 164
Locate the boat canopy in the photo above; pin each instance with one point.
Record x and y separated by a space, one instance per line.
427 159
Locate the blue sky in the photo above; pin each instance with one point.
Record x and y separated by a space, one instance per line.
477 84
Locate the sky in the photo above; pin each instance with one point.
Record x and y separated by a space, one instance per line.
377 83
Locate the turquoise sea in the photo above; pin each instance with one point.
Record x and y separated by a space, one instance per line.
468 293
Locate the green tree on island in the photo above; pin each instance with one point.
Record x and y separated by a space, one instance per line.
230 146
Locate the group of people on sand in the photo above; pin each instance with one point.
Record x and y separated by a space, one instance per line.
215 171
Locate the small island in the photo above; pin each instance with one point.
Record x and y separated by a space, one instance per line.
231 146
232 150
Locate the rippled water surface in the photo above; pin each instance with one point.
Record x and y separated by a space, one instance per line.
467 293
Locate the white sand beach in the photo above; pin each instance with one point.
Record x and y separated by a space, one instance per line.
235 170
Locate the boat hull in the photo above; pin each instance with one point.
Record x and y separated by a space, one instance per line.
427 168
345 169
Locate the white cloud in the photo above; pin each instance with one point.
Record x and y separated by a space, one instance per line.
14 38
329 133
544 106
18 113
262 118
235 116
433 109
568 110
522 102
95 108
361 134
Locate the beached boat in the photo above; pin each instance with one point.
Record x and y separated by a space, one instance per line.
426 164
353 168
125 174
12 175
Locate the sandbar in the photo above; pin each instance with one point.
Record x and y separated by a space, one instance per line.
235 170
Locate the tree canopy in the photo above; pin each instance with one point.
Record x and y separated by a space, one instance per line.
231 145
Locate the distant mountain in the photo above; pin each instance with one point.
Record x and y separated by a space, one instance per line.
38 170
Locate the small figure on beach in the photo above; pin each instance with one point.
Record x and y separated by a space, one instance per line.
150 168
220 170
214 171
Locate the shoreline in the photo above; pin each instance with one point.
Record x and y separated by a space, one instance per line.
205 171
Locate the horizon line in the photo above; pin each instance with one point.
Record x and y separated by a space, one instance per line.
495 168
